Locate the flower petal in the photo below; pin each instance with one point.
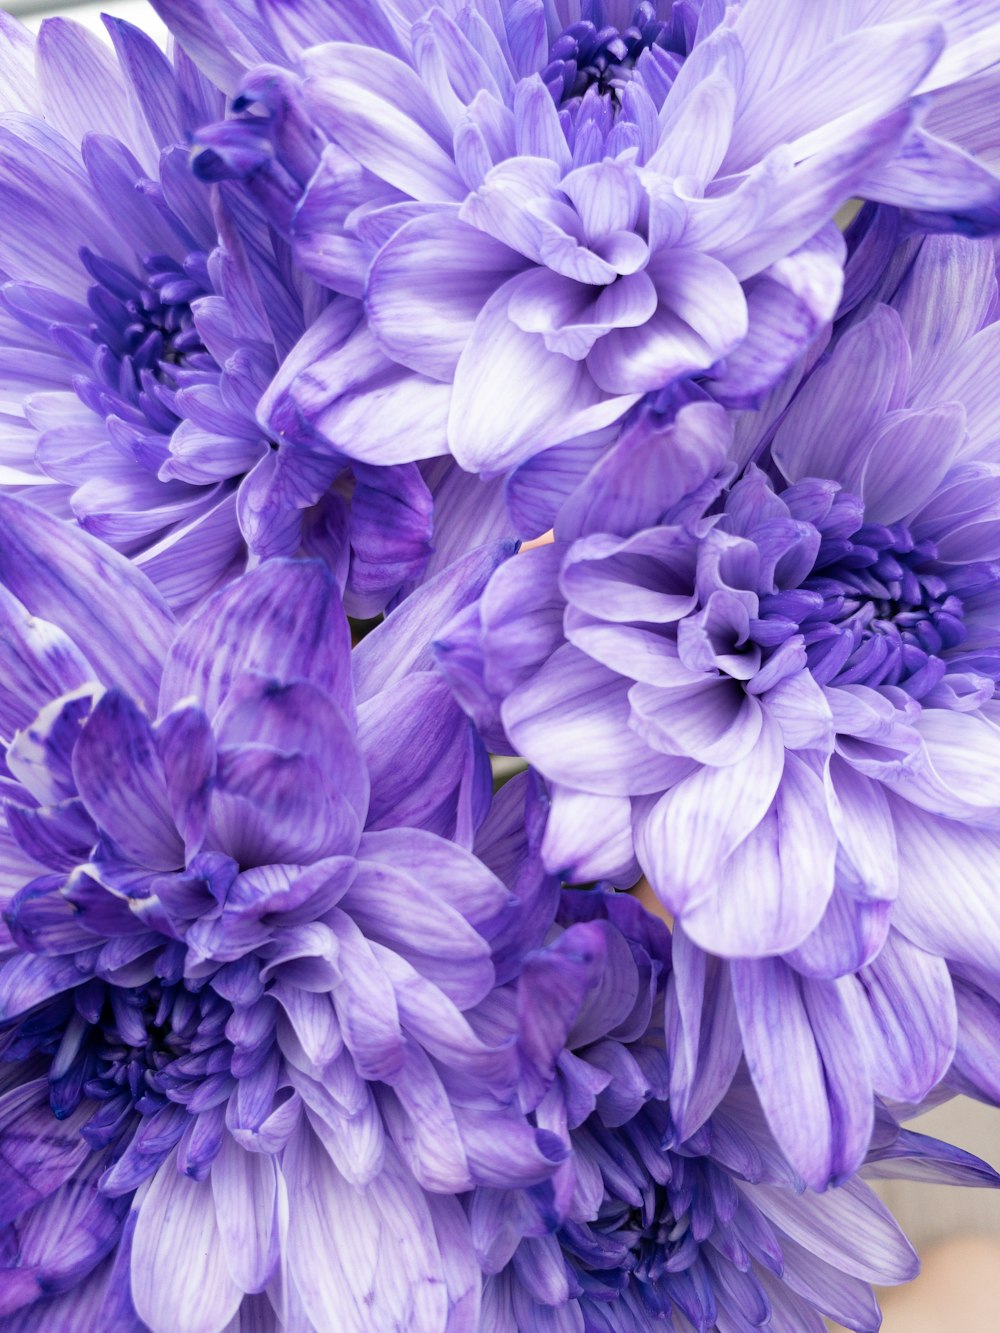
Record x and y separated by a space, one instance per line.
283 620
122 783
571 719
244 1191
510 393
93 594
180 1280
947 897
361 1258
426 287
773 890
684 839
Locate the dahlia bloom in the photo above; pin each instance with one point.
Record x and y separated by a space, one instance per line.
250 1051
551 210
142 317
642 1226
774 695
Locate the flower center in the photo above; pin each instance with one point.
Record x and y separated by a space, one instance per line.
641 1234
880 608
131 1049
634 1247
148 345
653 1235
586 56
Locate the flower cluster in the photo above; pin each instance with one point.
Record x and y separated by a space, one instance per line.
408 925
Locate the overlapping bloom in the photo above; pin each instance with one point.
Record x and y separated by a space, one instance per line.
552 210
135 345
246 1010
800 660
643 1227
297 1029
776 694
143 316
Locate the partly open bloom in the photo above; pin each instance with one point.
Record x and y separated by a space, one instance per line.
246 1019
551 210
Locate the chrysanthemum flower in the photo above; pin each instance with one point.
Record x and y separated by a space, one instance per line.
643 1227
552 210
776 694
802 659
135 346
142 317
249 1048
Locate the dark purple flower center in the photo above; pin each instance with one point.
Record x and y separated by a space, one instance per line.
587 56
147 342
880 608
641 1247
129 1049
654 1242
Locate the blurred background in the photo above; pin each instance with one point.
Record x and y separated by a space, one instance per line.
957 1232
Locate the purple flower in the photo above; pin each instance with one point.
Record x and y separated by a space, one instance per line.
553 210
142 317
251 1035
775 696
642 1224
135 345
812 648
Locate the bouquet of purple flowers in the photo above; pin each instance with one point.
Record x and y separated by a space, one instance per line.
499 659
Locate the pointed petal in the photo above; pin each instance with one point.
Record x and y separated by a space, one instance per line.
785 1065
913 1020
